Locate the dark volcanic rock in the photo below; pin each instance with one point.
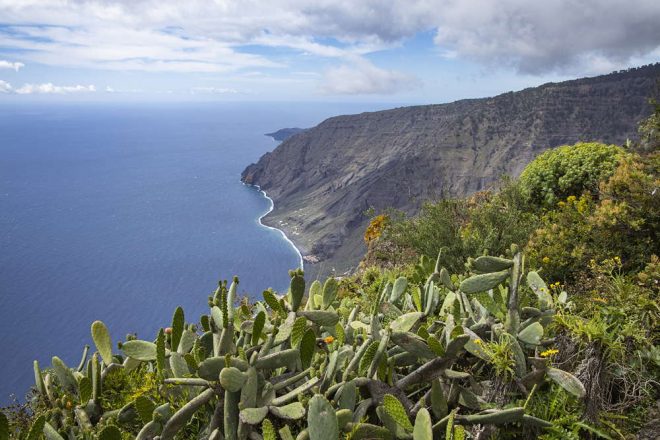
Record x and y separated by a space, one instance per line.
323 180
285 133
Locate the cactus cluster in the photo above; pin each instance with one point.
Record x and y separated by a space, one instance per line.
308 365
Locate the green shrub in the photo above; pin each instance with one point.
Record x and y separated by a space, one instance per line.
569 170
486 222
561 245
623 222
437 226
497 220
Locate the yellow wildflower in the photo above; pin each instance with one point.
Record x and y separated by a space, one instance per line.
328 340
478 341
546 260
376 228
549 352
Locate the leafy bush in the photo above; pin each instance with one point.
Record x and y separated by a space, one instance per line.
569 170
622 223
561 245
487 222
497 220
437 226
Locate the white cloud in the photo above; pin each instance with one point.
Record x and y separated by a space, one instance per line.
362 78
109 89
203 36
214 90
50 88
114 47
560 35
5 87
9 65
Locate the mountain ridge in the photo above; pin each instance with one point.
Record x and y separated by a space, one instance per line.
322 180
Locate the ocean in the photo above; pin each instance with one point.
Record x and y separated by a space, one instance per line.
122 212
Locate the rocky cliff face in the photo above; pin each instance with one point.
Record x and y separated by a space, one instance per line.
322 180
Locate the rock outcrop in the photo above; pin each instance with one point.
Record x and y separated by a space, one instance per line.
323 180
285 133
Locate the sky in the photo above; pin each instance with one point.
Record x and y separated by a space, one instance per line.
407 51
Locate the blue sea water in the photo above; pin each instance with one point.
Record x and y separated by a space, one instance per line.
122 212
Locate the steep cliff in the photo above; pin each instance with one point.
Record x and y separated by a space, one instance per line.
322 180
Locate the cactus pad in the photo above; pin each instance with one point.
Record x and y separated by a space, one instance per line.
483 282
399 287
284 330
423 429
292 411
531 334
321 419
395 409
110 433
140 350
307 348
268 431
567 381
321 317
279 359
232 379
101 338
487 264
330 288
539 287
64 374
253 416
405 322
178 322
145 408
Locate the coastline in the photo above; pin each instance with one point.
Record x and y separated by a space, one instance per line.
301 261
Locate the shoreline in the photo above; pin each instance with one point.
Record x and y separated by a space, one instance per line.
301 261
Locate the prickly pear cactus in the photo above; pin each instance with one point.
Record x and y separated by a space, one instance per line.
416 361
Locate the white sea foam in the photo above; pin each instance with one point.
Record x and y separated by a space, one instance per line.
272 206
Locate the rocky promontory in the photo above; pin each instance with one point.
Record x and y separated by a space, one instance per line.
285 133
322 180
